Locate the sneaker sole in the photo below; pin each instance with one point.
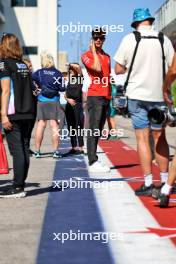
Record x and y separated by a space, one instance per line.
143 194
19 195
163 205
99 171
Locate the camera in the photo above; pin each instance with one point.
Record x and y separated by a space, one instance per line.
120 101
163 115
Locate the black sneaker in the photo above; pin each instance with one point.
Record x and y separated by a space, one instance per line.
57 155
37 154
163 200
79 152
157 191
31 152
173 189
13 192
144 190
71 152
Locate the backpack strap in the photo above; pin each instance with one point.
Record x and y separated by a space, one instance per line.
160 37
161 40
138 38
137 35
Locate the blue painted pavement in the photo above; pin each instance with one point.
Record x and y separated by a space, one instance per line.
72 210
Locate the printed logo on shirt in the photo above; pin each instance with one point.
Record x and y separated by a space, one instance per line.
2 67
86 59
49 72
21 66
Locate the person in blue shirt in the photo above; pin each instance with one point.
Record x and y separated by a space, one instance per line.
50 82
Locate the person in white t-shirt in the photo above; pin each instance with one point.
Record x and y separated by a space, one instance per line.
144 91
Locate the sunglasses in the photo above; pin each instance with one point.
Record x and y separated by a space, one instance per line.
100 38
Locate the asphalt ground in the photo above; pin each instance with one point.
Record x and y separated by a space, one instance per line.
30 226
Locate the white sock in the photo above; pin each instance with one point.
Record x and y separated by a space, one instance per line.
166 189
164 176
148 179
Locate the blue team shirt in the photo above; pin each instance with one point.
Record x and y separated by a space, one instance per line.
53 79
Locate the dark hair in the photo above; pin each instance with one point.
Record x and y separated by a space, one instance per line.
136 24
72 69
74 63
10 47
98 31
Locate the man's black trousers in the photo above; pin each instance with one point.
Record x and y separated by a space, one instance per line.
75 120
97 108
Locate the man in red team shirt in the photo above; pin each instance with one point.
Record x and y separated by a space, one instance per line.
97 63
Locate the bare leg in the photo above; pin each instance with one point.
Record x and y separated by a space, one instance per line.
41 125
172 172
144 151
55 136
167 188
161 150
112 125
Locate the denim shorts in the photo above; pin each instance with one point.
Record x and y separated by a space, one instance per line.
139 113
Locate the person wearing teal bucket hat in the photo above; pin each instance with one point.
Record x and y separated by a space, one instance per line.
141 14
143 55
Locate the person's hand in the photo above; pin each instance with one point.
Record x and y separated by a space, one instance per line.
71 101
6 123
92 47
167 97
37 92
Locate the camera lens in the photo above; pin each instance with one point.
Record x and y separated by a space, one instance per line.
156 116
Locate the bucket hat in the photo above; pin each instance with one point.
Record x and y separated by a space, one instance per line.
141 14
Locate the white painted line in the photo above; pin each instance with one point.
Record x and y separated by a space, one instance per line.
122 211
127 148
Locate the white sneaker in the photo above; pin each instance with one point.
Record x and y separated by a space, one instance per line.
98 167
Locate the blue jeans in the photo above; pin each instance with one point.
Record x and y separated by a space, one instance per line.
139 113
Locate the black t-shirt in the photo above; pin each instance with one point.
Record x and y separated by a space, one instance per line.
21 101
74 89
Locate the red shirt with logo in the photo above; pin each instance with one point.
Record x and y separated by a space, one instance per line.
100 81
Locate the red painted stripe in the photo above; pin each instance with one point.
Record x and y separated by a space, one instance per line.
127 163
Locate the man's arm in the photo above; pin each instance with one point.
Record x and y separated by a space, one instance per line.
96 63
92 62
170 77
5 86
119 69
121 56
96 66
